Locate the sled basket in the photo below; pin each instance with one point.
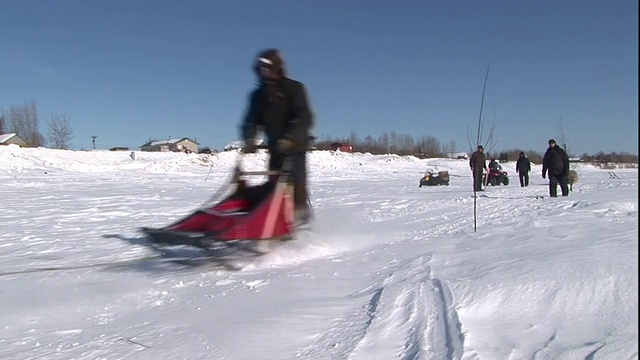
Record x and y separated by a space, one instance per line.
260 212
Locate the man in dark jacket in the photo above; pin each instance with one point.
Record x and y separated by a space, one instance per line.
279 106
523 166
478 164
556 163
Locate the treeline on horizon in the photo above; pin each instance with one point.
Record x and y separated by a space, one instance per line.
24 121
429 147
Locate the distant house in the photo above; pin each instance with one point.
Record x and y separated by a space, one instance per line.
119 148
175 145
239 144
207 150
341 147
12 138
457 155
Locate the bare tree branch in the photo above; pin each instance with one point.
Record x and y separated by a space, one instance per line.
60 131
3 121
23 120
563 137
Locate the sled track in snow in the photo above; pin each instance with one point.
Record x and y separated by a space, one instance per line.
213 260
228 257
78 267
155 259
408 316
411 314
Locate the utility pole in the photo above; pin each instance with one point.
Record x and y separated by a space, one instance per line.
93 138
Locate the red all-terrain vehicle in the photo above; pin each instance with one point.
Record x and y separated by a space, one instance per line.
497 177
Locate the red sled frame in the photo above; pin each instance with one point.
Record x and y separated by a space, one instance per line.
255 213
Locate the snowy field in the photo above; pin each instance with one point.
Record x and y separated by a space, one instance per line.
391 271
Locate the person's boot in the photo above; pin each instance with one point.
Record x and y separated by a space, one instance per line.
302 210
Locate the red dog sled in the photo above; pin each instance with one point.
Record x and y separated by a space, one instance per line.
249 213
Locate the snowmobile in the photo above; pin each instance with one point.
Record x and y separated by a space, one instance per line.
432 179
247 214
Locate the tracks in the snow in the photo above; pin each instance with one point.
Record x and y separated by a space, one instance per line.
225 261
152 259
406 315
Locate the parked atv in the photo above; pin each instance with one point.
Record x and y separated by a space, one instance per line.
432 179
497 177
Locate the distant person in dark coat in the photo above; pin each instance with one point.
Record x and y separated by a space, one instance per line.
523 166
279 106
478 164
556 163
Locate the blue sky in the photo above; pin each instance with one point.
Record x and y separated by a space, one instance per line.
127 71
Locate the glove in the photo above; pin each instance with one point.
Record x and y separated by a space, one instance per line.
285 146
544 176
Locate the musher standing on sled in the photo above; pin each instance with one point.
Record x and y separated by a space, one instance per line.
279 107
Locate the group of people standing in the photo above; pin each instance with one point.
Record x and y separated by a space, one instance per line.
279 107
555 164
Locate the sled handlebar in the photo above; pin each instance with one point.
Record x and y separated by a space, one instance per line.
286 166
259 173
256 147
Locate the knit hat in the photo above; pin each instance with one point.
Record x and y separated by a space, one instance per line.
551 141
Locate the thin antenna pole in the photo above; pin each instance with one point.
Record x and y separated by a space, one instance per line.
484 87
475 197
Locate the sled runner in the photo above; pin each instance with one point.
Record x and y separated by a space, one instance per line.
248 214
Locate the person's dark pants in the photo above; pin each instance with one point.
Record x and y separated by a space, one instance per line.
554 181
524 179
477 180
298 167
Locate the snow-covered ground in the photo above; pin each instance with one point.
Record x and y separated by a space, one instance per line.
392 271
